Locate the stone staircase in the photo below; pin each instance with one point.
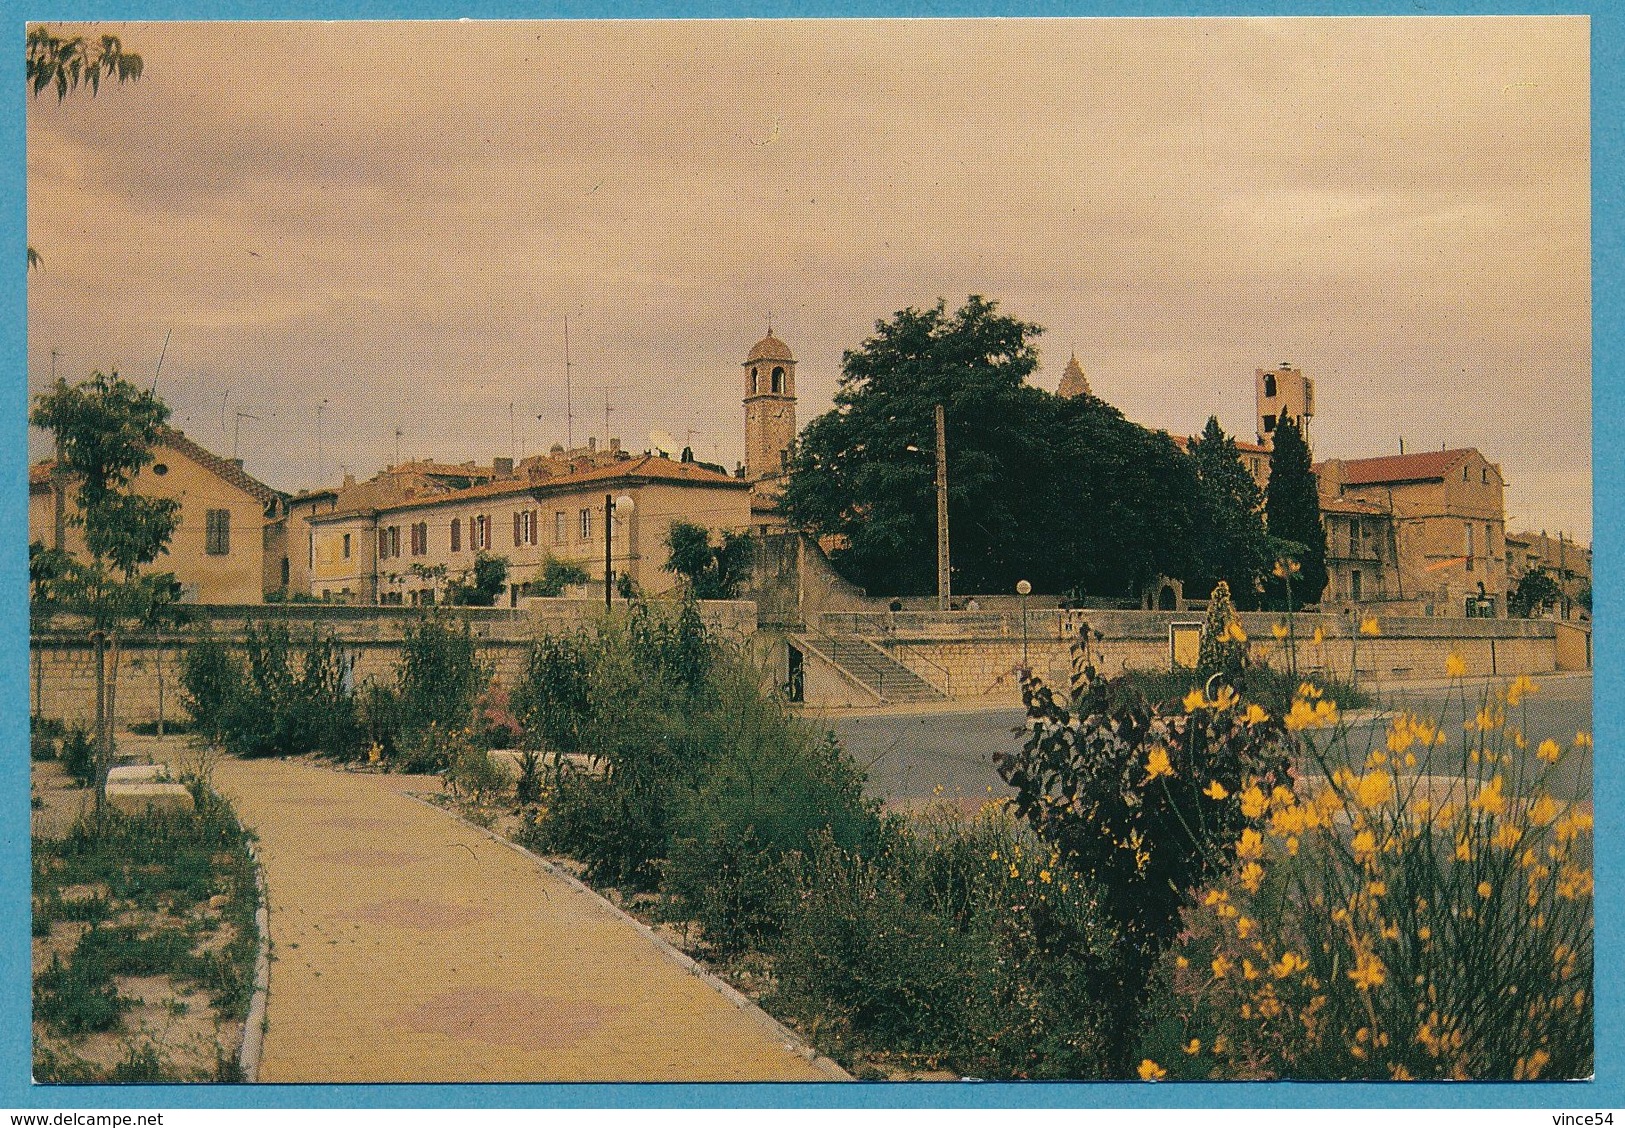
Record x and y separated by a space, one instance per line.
866 663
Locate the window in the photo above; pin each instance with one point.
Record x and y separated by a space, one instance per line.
456 535
753 381
586 524
1471 551
1269 424
1464 473
159 469
217 532
524 527
420 538
1354 585
285 571
778 379
1269 390
1484 475
480 532
394 540
561 527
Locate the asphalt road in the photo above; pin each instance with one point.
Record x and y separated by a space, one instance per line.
910 755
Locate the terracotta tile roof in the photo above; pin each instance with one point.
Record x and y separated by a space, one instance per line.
647 467
1183 442
40 473
1423 467
1353 507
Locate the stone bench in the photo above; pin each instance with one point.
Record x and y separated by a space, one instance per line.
137 773
143 797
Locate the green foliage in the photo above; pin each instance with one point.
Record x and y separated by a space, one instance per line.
472 772
1231 546
551 700
557 575
712 571
480 586
1121 791
1224 643
955 945
64 63
1536 590
1292 513
78 756
439 679
1397 928
1066 493
272 697
77 998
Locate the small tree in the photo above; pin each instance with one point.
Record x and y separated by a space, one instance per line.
1535 590
1231 546
481 584
105 430
1224 643
1292 511
713 571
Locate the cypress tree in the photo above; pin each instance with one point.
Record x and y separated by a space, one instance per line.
1292 513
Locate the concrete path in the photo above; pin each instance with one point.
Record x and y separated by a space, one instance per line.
407 946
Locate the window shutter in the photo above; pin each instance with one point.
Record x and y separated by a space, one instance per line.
516 528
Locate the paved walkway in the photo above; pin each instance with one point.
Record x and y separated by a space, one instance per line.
407 946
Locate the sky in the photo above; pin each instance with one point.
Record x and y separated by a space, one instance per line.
362 241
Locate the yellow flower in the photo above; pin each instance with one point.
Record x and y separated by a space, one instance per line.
1194 1046
1464 850
1288 964
1318 637
1221 967
1544 811
1369 627
1244 928
1365 847
1252 876
1226 699
1549 751
1251 845
1044 876
1234 633
1375 789
1489 799
1424 934
1484 889
1215 790
1279 631
1454 666
1507 837
1521 685
1181 962
1194 701
1156 764
1255 714
1308 690
1151 1071
1529 1068
1253 803
1248 971
1368 972
1583 740
1400 1073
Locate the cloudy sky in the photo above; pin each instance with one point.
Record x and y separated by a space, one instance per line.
353 230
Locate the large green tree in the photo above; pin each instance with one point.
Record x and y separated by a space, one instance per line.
1231 545
713 571
1064 493
865 471
105 430
1292 514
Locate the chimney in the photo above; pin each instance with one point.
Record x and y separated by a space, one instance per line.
614 444
349 481
592 442
502 466
237 462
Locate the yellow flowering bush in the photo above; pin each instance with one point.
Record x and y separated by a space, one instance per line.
1423 913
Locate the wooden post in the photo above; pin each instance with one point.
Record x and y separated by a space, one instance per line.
943 575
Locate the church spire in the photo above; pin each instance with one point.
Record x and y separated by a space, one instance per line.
1073 381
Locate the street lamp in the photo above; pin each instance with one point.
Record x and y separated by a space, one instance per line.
1024 589
611 504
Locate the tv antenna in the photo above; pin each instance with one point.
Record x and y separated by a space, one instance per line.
569 411
161 354
237 430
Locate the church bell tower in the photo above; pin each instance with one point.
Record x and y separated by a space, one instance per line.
770 411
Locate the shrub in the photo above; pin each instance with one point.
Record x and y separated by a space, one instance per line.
551 700
439 679
1386 927
1224 644
78 756
472 772
211 674
1139 801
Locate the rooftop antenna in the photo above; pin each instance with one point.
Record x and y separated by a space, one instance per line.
513 435
397 444
54 355
237 430
321 407
223 400
569 411
607 410
161 354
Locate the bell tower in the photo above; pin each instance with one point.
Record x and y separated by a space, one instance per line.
770 408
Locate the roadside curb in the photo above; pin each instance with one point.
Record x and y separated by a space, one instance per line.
772 1026
253 1047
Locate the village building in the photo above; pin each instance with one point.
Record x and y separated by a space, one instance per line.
1426 528
770 427
1566 561
226 547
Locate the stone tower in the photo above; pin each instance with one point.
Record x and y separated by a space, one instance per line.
770 408
1280 393
1073 381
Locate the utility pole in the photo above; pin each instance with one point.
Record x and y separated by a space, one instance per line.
942 511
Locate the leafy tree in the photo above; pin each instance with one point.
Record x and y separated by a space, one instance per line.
67 62
1231 546
105 430
1292 513
865 471
713 571
481 584
1535 590
556 576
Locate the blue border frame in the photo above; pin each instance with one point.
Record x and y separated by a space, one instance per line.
1608 232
